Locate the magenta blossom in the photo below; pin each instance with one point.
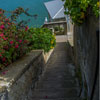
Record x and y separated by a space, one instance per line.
4 38
16 46
20 41
2 27
1 34
7 19
4 72
11 42
0 12
3 59
26 28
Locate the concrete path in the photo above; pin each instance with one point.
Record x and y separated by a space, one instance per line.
65 38
58 81
61 38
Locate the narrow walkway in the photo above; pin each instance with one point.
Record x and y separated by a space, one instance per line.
58 81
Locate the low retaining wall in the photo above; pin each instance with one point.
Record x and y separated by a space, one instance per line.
20 77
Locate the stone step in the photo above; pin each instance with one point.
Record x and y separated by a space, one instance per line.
57 99
62 68
56 74
54 84
55 65
58 70
55 62
58 82
57 78
56 93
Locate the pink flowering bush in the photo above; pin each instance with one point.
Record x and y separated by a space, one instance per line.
13 41
16 40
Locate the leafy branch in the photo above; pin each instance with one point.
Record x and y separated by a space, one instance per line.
77 9
16 13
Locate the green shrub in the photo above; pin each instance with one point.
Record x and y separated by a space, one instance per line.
17 40
41 38
77 9
58 28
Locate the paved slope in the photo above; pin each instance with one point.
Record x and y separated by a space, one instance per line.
58 81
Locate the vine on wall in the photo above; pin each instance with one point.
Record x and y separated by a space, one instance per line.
77 9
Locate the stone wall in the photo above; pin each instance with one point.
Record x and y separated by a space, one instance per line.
20 78
85 53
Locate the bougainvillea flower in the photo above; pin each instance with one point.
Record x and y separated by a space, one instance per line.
9 23
0 55
25 41
7 19
4 38
26 28
4 72
0 12
16 46
2 27
3 59
11 42
20 41
1 34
